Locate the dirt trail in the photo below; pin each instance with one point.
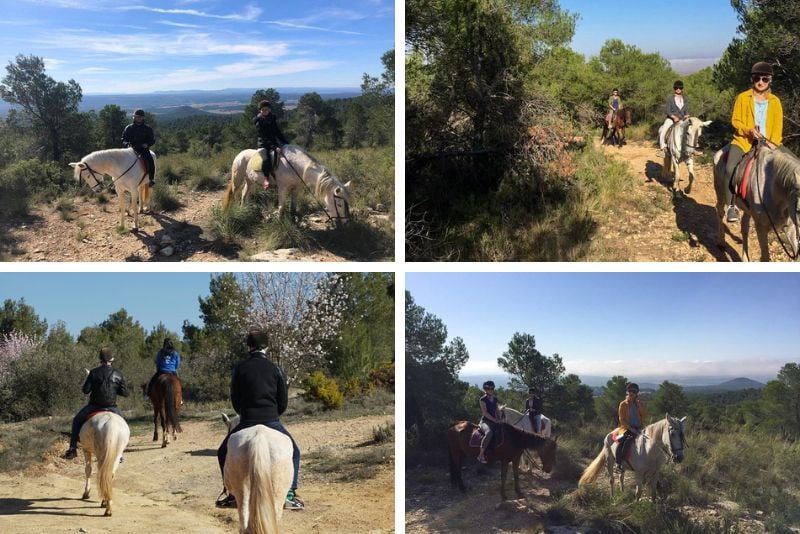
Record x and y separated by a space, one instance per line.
91 234
656 227
173 490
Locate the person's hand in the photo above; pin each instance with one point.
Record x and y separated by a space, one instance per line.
278 149
754 133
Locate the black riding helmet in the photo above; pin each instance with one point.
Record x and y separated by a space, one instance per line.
677 85
762 67
168 345
531 390
488 384
633 387
138 113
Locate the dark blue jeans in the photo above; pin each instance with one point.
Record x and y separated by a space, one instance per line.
222 452
80 418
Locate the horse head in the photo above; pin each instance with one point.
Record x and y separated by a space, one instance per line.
83 170
693 129
676 440
337 197
548 454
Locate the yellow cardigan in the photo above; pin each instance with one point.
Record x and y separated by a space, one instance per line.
744 119
624 418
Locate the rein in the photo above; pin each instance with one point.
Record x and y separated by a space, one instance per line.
100 183
324 209
769 217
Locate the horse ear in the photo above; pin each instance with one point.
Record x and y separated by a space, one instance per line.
682 419
225 418
347 185
78 164
706 123
667 417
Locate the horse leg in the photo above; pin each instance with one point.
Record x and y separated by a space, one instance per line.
745 226
88 486
690 168
155 420
610 469
762 232
245 190
164 427
515 468
503 473
676 182
136 205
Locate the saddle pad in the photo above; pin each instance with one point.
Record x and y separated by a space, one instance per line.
745 181
475 438
92 414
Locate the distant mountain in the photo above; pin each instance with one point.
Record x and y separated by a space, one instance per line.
736 384
182 112
223 101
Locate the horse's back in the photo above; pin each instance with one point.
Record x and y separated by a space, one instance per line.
256 445
100 426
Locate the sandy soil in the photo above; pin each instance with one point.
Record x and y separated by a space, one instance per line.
173 490
92 235
655 226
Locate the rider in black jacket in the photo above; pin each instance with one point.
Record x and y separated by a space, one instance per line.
270 136
140 136
259 395
103 385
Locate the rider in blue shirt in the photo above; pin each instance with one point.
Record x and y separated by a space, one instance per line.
167 361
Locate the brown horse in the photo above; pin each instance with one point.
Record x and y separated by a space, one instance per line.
619 121
512 444
166 396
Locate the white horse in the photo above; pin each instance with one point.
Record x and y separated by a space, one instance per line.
295 170
122 165
258 472
649 452
523 422
681 145
105 435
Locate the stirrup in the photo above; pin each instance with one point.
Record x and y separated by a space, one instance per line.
732 215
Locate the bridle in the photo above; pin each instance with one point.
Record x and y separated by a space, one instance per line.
98 183
686 135
769 217
673 451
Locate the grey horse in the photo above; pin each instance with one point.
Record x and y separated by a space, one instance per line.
771 200
682 142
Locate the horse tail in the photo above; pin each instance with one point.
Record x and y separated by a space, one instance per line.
170 399
112 444
263 518
591 472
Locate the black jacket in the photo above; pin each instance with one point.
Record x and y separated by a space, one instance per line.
269 133
137 135
104 383
258 389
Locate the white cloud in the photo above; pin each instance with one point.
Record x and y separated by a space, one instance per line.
690 65
177 24
251 12
287 24
52 64
91 70
676 368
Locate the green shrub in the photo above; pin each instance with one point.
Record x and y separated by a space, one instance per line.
326 390
165 197
383 433
383 377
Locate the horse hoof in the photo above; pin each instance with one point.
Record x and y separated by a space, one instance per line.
163 445
85 496
103 504
108 513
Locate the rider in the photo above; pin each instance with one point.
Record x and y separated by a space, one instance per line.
259 394
490 418
631 418
757 117
614 105
140 136
167 361
270 136
677 110
104 383
533 405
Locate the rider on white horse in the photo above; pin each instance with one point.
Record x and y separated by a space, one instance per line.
632 414
677 110
140 137
259 395
533 405
270 137
103 384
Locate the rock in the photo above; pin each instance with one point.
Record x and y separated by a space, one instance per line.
166 239
152 249
282 254
82 530
167 251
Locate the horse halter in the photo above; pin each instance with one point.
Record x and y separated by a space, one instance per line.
345 208
673 451
686 135
98 183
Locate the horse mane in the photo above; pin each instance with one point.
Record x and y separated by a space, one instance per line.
529 439
105 152
786 165
654 430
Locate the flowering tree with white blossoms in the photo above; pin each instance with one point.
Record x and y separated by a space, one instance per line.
12 346
301 313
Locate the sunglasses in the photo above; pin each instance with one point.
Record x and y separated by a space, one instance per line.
765 79
488 389
633 392
677 88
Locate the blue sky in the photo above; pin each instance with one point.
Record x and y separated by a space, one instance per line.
691 33
87 299
139 46
635 324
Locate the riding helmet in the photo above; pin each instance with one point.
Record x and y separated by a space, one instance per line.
168 345
531 390
138 113
632 387
264 103
105 355
488 383
762 67
677 85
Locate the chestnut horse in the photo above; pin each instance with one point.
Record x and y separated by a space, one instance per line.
619 121
512 444
166 396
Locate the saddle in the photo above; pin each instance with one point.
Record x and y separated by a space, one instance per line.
740 181
92 414
477 436
627 446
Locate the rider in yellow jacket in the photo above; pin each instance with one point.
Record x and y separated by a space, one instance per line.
632 414
757 115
